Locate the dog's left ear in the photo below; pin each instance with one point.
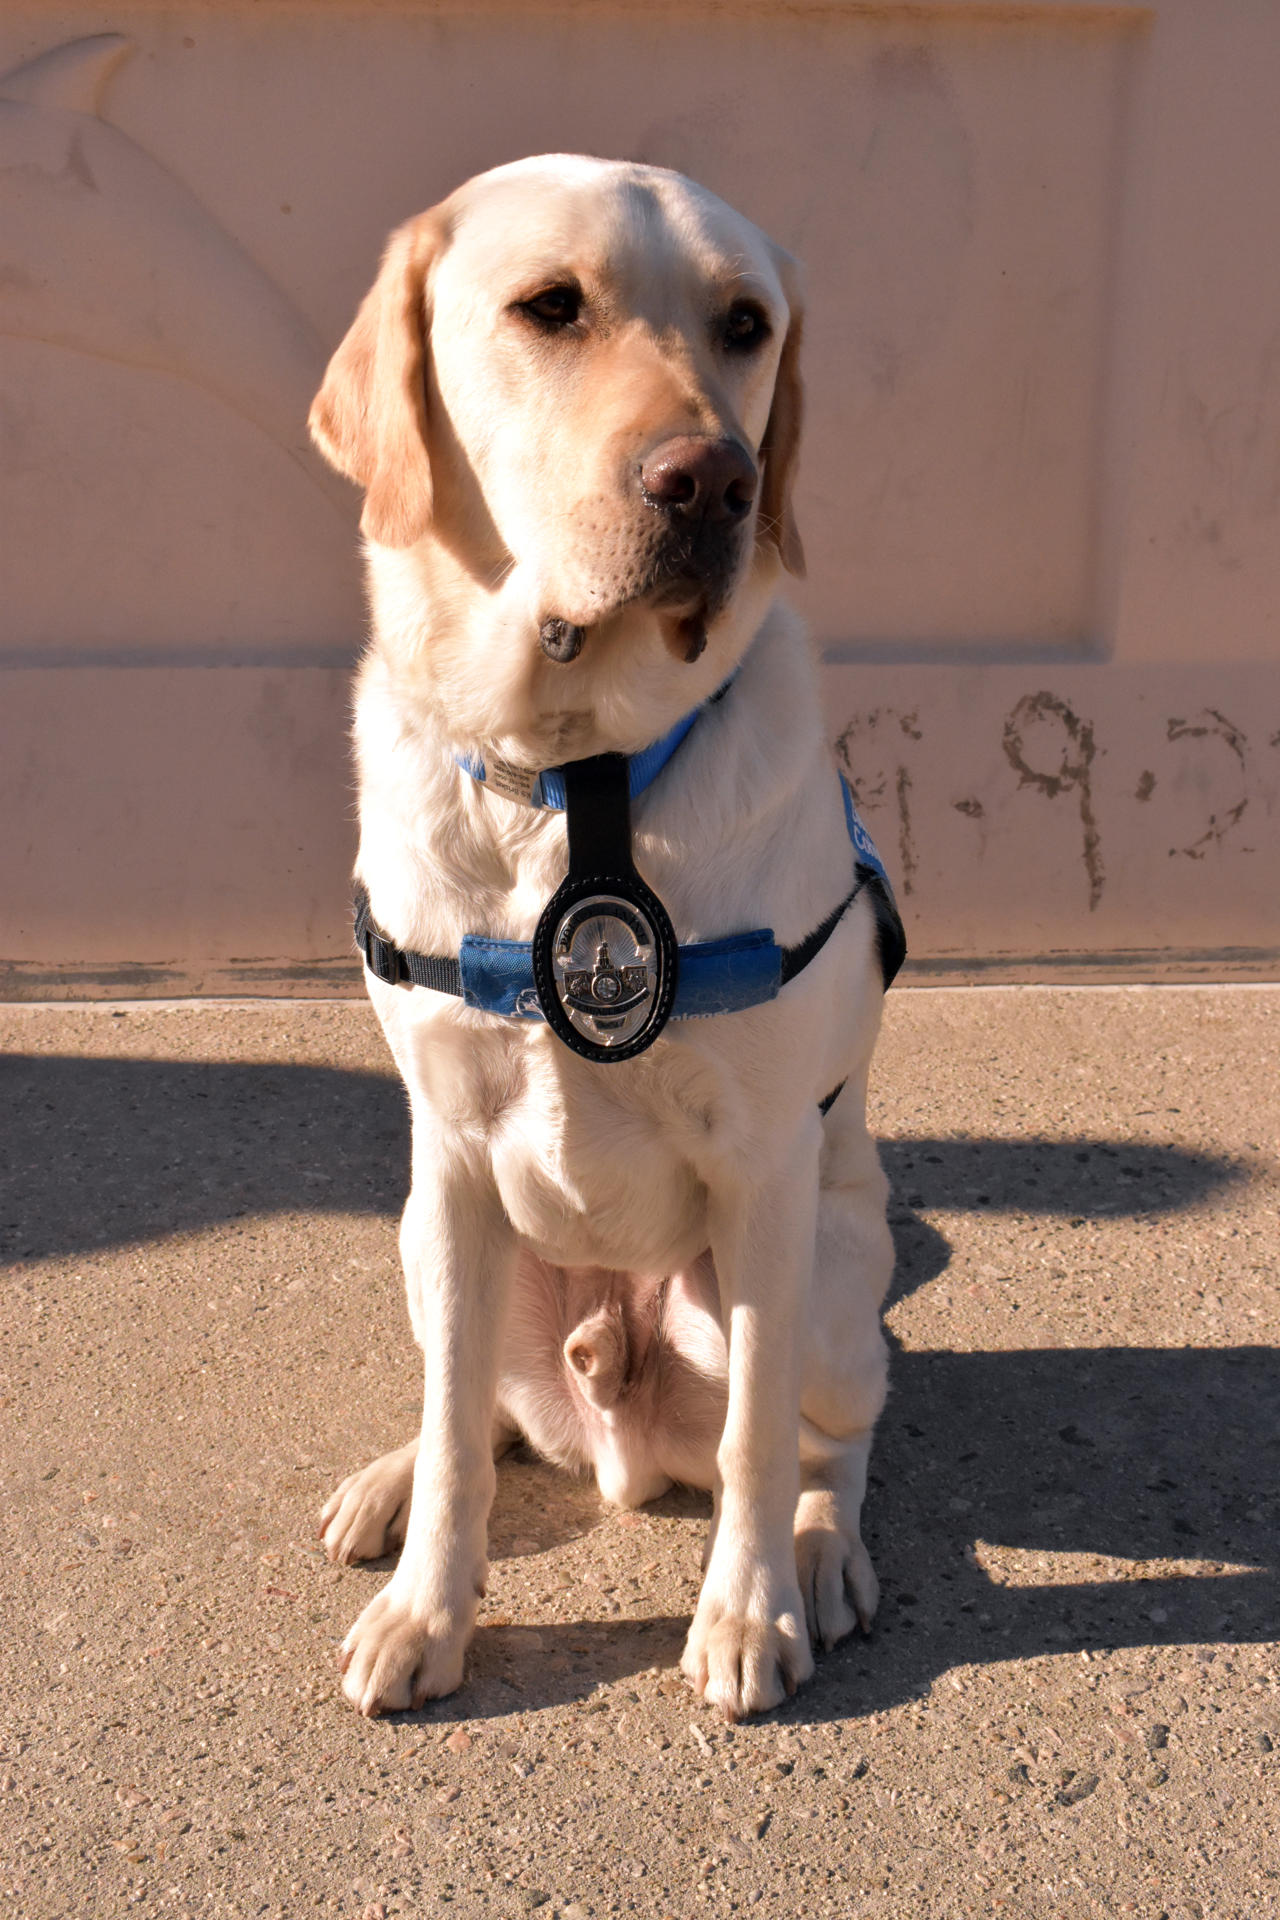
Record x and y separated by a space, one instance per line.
781 442
369 418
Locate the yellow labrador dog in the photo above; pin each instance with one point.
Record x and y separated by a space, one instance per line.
621 926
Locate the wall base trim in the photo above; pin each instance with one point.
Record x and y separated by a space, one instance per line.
343 978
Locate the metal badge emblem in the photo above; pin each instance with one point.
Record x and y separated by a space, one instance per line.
605 956
605 967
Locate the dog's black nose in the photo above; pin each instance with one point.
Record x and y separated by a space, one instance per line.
697 478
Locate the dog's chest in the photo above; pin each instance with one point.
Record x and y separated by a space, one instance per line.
590 1176
594 1165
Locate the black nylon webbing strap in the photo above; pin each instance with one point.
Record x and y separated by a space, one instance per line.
796 959
825 1106
891 939
398 967
598 815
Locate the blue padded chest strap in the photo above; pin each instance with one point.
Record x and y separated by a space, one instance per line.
715 976
496 976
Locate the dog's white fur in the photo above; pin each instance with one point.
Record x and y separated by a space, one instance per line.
669 1267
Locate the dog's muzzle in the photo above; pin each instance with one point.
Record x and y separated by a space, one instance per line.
703 491
701 482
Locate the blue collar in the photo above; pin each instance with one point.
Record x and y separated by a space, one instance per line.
546 789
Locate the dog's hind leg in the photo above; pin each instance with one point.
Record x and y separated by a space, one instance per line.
843 1380
365 1517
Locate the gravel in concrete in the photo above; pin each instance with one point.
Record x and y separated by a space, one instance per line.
1069 1705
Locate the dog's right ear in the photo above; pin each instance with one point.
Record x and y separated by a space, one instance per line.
370 416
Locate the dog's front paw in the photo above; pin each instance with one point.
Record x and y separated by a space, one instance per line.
366 1516
402 1651
837 1580
746 1659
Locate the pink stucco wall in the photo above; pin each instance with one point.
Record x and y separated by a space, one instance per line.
1040 490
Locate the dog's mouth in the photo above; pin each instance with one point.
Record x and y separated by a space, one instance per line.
690 586
683 623
687 582
683 626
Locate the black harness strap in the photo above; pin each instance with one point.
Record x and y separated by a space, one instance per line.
796 959
891 939
891 942
598 816
393 964
396 965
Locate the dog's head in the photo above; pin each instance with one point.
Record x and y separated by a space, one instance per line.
573 400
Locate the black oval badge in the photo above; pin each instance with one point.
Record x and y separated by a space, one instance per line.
605 962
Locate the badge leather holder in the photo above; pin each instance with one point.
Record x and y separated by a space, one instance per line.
605 959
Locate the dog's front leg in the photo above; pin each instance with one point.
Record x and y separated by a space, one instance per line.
747 1646
458 1250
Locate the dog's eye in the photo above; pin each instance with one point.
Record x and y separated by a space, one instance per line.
555 307
745 327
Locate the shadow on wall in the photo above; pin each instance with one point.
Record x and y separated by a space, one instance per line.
1136 1454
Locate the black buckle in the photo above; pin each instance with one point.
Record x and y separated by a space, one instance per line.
381 956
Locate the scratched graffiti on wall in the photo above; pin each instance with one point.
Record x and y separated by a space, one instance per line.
1049 752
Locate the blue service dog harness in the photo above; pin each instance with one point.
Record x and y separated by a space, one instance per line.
604 968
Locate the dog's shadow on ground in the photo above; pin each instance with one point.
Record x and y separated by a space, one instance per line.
1117 1454
105 1152
1128 1455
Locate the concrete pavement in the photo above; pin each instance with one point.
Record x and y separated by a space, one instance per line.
1069 1705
